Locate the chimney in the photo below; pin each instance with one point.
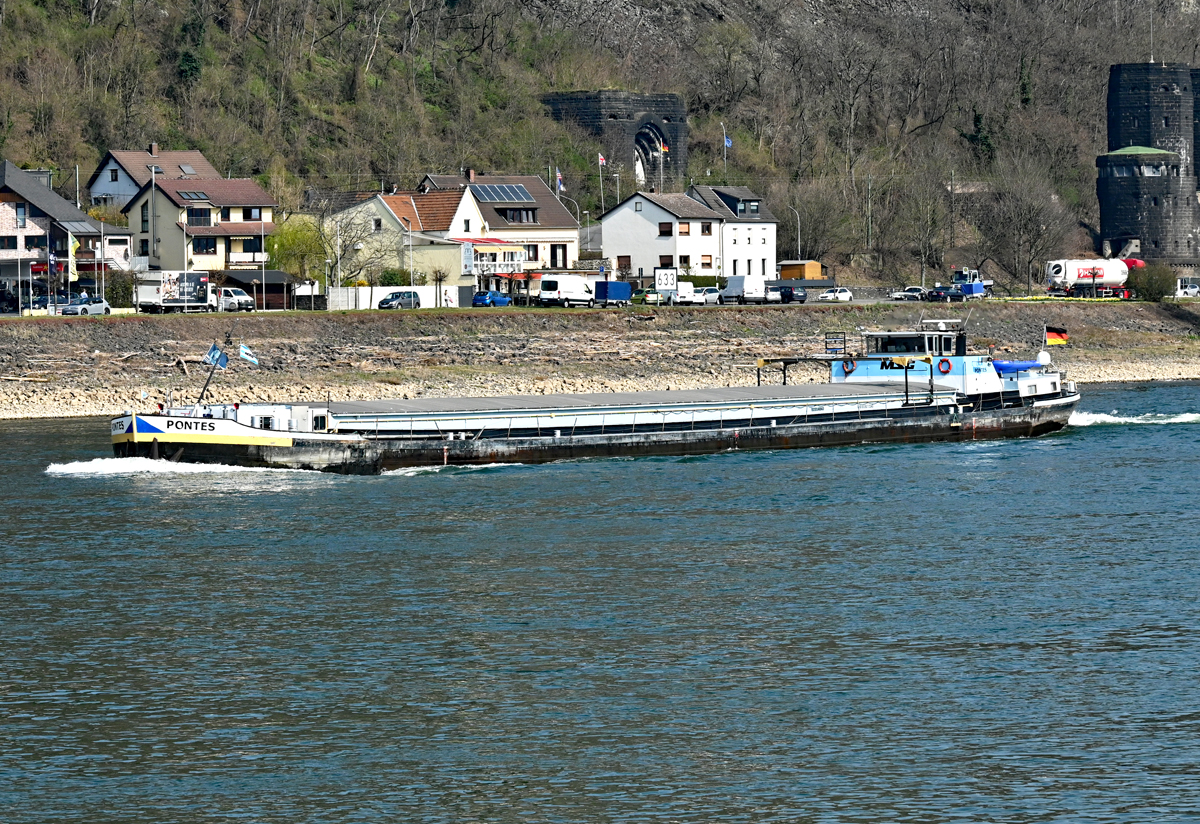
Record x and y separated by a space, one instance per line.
470 175
154 150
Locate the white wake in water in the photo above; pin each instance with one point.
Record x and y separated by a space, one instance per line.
411 471
1100 418
146 466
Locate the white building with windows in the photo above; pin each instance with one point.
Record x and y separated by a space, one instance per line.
122 173
649 230
747 229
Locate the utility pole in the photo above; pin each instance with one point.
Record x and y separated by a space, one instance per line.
725 156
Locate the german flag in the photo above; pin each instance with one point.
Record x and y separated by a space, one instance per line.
1056 336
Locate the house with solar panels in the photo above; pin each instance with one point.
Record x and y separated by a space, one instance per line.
122 173
191 224
501 215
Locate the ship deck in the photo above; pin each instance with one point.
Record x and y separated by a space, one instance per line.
656 399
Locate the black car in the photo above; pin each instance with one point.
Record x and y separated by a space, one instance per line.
793 294
945 294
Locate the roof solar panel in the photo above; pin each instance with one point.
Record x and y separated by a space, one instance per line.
186 169
502 193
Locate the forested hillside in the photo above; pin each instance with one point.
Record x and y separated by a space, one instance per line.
854 113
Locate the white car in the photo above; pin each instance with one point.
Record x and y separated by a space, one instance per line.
774 295
711 295
840 293
86 306
1191 290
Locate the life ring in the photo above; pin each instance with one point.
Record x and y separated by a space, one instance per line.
944 366
848 366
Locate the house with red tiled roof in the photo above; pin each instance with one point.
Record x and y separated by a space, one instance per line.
211 225
122 173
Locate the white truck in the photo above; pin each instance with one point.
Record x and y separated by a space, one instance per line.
744 289
1096 278
685 294
165 290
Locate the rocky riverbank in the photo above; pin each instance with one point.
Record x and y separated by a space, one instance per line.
100 366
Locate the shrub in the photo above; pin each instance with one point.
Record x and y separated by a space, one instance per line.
1153 282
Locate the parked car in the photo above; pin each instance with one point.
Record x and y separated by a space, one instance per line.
909 293
793 294
711 295
491 298
566 291
234 299
87 306
1191 290
651 295
945 294
744 289
401 300
838 293
773 295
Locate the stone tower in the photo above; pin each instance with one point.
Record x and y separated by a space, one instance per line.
631 128
1146 183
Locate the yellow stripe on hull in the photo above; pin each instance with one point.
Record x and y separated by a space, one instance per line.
194 437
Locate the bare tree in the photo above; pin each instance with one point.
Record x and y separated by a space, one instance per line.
1023 222
926 216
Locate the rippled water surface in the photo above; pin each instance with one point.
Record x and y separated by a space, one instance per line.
952 632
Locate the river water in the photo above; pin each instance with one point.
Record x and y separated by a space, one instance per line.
1000 631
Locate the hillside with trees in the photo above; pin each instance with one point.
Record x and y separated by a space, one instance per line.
857 115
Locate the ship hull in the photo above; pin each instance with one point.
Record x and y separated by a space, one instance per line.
358 455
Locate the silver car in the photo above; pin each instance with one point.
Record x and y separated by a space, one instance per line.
711 295
87 306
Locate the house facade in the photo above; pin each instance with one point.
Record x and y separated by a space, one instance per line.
510 210
649 230
44 237
748 229
122 173
209 225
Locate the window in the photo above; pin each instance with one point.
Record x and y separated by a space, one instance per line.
21 213
754 207
1122 171
143 247
118 241
519 215
666 261
467 225
741 207
706 229
685 229
1166 122
8 242
252 213
706 261
199 217
764 240
1153 201
377 225
1135 123
225 214
665 229
145 217
112 175
35 241
637 205
531 251
558 256
204 245
252 244
624 263
1152 171
685 261
735 268
764 267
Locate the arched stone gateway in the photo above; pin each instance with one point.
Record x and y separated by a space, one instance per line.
631 128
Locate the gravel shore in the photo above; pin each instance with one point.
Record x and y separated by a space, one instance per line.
58 367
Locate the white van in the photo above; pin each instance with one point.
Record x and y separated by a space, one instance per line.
686 295
744 289
566 290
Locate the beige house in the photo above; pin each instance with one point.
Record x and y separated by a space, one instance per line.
201 224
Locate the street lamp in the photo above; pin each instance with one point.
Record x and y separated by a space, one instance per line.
797 214
328 289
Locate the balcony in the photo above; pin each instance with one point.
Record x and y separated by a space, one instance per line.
244 258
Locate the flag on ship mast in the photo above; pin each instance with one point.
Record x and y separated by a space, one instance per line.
244 352
1055 336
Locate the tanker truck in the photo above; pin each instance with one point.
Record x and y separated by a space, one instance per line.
1097 278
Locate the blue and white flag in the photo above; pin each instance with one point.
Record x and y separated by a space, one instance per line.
558 175
214 352
244 351
223 361
728 142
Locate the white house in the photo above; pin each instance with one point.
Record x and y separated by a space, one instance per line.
747 229
122 173
649 230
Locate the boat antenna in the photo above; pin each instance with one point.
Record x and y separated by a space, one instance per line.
968 319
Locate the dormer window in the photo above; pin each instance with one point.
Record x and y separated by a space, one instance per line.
754 207
741 207
519 215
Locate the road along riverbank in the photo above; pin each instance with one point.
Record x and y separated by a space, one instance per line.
60 367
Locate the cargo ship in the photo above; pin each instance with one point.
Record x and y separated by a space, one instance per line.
909 386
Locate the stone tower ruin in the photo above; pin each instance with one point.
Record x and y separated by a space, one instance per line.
631 128
1146 182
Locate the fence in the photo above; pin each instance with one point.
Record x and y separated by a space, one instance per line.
368 297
